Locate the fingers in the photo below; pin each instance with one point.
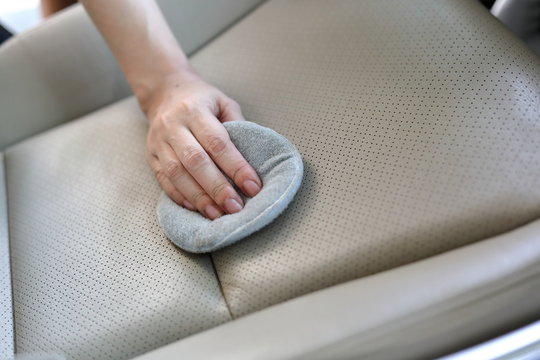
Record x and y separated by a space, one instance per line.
180 186
216 141
166 184
202 169
187 154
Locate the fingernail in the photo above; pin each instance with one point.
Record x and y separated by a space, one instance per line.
232 206
251 188
212 212
188 205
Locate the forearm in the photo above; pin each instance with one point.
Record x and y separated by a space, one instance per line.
187 147
142 43
49 7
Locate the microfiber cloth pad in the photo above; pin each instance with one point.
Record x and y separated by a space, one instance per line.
280 168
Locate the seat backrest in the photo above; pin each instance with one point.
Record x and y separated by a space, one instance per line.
45 79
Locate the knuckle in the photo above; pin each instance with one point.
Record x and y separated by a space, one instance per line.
162 120
239 170
164 123
216 145
161 133
218 189
173 169
160 175
199 197
172 137
193 157
176 196
189 107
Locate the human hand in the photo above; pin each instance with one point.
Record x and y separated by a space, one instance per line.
187 146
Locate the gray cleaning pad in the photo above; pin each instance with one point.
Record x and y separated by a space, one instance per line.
280 168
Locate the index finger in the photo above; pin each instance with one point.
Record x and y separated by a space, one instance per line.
217 143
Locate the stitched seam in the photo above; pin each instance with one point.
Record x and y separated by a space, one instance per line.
227 28
10 267
221 286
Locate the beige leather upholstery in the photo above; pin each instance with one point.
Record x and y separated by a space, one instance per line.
6 308
93 275
66 69
417 311
418 124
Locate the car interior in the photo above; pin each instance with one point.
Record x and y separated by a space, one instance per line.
415 231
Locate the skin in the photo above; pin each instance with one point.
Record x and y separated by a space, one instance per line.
187 144
49 7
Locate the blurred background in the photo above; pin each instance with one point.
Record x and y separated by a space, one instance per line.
521 16
20 15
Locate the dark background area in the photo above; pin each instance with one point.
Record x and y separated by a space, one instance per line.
4 34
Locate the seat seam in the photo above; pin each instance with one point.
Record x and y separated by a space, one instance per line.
227 28
3 157
220 285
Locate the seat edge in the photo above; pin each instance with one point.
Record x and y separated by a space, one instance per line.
492 281
6 304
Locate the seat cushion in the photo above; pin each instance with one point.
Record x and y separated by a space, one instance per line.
422 310
93 275
417 122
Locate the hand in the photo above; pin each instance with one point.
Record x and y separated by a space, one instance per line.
187 146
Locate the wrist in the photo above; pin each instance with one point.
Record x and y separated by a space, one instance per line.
152 90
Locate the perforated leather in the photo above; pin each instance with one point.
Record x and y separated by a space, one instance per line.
93 275
422 310
418 124
6 308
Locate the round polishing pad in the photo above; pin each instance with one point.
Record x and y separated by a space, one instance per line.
280 168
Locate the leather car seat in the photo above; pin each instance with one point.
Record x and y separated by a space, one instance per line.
415 231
